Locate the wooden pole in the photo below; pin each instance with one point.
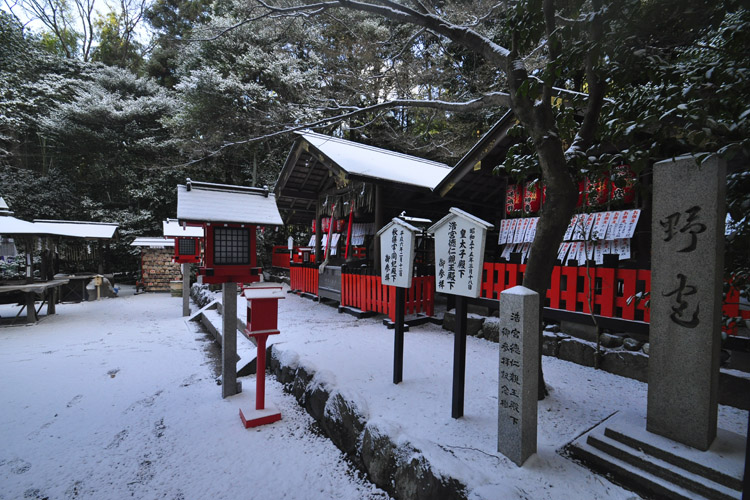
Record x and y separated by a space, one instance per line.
229 340
398 341
186 289
318 232
378 224
459 358
101 256
29 260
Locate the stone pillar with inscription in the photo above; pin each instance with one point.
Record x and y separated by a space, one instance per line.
519 373
687 266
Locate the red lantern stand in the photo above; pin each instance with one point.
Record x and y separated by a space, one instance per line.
262 319
229 254
187 250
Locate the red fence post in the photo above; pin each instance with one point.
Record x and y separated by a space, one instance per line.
606 295
553 294
645 276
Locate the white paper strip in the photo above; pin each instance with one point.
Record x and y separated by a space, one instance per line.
506 251
562 252
569 231
631 223
622 248
614 223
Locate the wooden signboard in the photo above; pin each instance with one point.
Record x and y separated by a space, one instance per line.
459 253
397 245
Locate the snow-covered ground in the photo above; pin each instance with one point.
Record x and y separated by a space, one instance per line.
118 398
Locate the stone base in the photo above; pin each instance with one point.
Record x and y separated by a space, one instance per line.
584 332
474 323
357 313
415 320
655 466
256 418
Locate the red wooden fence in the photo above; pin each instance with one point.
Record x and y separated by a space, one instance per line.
280 256
304 278
570 290
366 292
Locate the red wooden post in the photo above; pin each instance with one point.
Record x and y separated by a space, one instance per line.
430 295
628 290
262 321
487 282
569 293
499 284
606 297
645 276
554 290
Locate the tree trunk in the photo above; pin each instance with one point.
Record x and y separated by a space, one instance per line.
561 195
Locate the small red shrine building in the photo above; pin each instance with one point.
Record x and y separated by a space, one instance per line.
229 216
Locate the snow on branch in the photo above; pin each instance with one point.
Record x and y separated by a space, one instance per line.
491 99
462 35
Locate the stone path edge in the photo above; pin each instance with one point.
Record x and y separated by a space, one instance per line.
400 470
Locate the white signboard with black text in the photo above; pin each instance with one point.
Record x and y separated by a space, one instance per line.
397 244
459 253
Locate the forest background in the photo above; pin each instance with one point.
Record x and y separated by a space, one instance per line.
106 107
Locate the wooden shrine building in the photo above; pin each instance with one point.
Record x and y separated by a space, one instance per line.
346 191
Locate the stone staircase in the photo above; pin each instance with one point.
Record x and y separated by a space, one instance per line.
657 467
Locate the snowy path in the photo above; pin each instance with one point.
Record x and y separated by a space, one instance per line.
117 398
354 357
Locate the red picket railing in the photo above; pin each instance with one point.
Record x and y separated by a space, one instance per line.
304 278
570 290
367 293
280 256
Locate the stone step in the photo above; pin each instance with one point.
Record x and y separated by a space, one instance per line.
717 469
624 474
664 470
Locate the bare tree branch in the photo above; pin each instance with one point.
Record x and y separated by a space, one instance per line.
397 12
596 83
493 99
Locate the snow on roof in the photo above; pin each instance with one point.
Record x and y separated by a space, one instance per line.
400 222
3 206
173 229
77 229
155 242
368 161
206 202
457 212
10 225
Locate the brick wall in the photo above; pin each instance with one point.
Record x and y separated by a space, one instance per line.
158 269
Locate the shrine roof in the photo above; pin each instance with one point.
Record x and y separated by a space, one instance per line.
356 159
11 226
173 229
153 242
207 202
77 229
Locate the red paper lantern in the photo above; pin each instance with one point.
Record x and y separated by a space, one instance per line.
532 197
513 198
597 191
581 191
623 184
